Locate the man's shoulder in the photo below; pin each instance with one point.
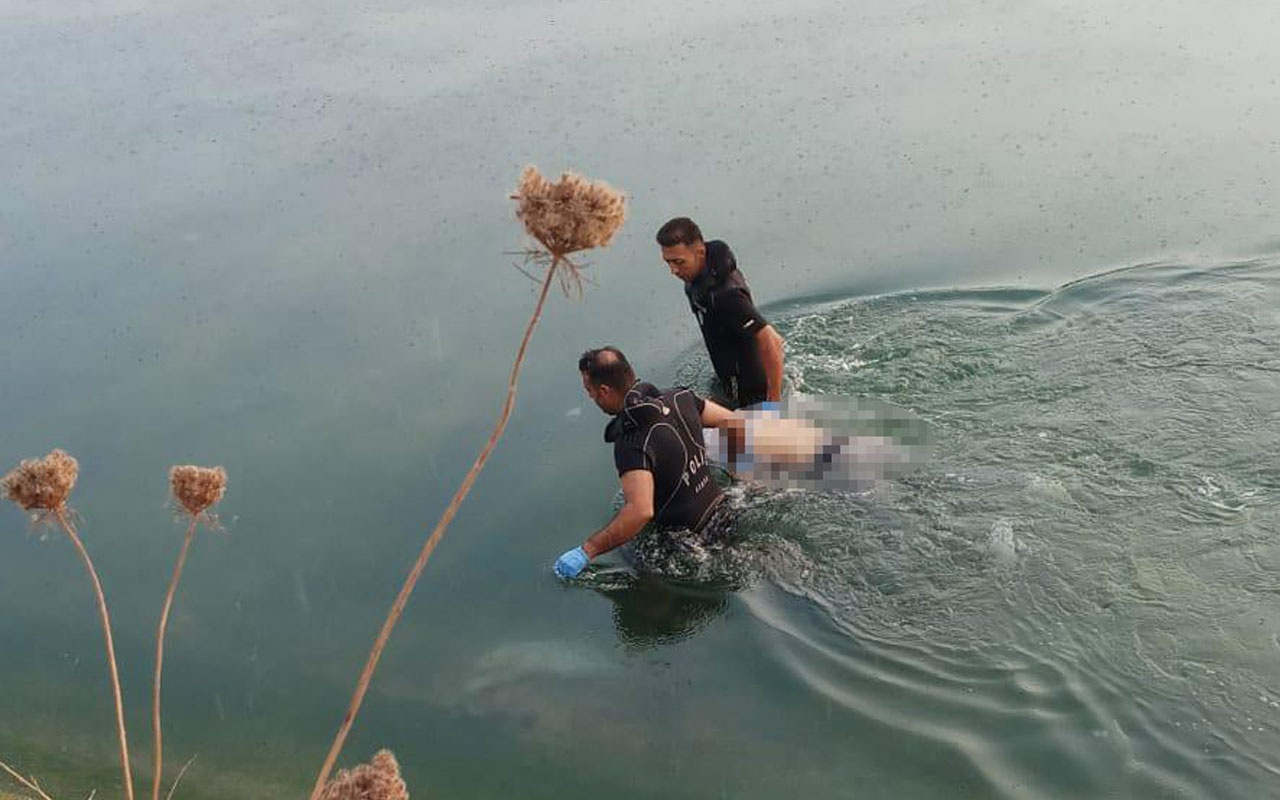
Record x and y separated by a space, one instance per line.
681 393
688 405
731 296
732 288
626 438
718 247
720 259
629 451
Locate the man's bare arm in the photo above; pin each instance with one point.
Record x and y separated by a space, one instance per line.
636 511
715 415
770 343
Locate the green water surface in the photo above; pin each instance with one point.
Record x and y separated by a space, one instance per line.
273 236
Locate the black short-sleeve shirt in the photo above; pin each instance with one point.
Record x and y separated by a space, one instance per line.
727 315
661 431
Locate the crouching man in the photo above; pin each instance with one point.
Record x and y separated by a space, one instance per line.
659 453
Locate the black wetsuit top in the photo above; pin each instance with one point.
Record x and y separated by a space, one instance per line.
662 432
721 301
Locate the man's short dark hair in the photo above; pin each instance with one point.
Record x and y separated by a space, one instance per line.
680 230
607 366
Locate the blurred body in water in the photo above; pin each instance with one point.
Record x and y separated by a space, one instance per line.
661 456
795 449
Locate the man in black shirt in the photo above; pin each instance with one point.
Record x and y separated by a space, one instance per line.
745 350
658 451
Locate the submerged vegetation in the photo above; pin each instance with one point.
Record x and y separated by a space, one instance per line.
563 217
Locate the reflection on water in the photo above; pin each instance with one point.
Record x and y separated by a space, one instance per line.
649 611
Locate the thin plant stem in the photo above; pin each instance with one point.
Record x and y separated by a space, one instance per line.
27 784
178 779
155 691
60 514
397 608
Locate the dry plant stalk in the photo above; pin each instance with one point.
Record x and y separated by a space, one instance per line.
197 489
30 784
568 216
378 780
178 779
41 486
565 217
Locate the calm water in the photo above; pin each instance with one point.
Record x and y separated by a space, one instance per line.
272 236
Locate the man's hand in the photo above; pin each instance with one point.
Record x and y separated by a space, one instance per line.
571 564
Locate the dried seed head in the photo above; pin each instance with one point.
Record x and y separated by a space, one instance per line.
570 215
197 488
378 780
42 484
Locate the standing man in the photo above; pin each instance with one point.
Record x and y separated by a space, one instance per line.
659 455
745 350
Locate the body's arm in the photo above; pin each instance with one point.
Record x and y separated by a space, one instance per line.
769 341
636 511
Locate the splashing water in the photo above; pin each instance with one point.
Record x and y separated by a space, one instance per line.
1076 597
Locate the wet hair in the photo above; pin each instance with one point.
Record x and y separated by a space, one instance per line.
680 230
607 366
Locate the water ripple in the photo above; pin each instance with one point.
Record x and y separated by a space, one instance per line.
1077 596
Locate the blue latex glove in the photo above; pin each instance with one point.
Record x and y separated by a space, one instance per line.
572 563
769 405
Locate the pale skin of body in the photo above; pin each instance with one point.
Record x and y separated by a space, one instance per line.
786 441
686 262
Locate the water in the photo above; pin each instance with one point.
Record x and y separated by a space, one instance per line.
272 236
1076 597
